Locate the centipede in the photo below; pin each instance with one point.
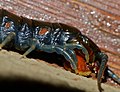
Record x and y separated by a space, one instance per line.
82 55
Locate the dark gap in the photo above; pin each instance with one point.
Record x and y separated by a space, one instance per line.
52 58
48 57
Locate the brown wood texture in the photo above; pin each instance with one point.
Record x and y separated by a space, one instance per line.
98 19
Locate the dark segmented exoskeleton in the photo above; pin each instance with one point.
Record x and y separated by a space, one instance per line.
28 35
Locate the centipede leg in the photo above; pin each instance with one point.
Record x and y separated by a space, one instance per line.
112 75
67 56
7 39
103 58
73 55
79 46
32 47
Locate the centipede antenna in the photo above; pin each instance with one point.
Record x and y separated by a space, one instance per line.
113 76
33 46
7 39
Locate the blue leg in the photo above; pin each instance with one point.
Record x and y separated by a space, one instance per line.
61 51
7 39
72 54
67 51
79 46
113 76
103 58
32 47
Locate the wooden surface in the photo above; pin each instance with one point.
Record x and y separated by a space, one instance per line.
98 19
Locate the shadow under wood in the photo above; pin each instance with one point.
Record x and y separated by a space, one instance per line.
20 85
